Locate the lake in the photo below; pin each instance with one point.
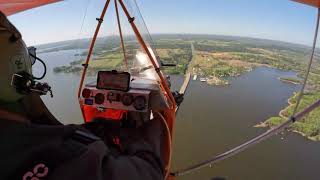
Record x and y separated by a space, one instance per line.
212 120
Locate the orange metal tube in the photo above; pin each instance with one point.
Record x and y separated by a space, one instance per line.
315 3
145 48
86 64
121 37
10 7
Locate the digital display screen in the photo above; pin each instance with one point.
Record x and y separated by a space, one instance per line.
113 80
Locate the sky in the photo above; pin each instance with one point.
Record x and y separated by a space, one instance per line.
282 20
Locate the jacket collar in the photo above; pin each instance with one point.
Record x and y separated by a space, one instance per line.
6 115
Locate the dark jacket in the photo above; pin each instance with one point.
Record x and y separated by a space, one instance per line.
58 152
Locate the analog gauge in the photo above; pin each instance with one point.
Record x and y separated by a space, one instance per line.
127 99
99 98
113 97
86 93
140 103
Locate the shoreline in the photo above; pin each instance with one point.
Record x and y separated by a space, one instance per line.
281 115
217 81
290 104
265 125
288 81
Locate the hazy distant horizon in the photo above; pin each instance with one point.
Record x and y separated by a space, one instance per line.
182 34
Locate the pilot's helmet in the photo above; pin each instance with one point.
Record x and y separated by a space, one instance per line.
14 60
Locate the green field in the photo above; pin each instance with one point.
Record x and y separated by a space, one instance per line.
308 126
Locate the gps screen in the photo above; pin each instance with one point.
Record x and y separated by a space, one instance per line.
113 80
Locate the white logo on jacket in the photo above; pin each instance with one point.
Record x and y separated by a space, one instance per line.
39 171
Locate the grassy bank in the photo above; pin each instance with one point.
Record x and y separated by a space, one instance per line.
309 126
292 80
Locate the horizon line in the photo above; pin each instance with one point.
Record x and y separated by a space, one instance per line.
195 34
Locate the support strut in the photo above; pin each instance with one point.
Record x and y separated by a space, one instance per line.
121 36
86 64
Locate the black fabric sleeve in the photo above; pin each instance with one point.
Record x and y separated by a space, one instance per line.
98 163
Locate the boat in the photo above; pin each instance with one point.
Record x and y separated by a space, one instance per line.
195 77
203 79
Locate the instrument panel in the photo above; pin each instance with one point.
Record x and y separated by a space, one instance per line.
116 90
133 100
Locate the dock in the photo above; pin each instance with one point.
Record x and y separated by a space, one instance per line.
195 77
184 86
187 78
203 79
185 83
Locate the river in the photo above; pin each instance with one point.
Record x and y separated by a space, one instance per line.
214 119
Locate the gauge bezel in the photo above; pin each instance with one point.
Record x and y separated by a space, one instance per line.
102 100
86 92
129 96
145 103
